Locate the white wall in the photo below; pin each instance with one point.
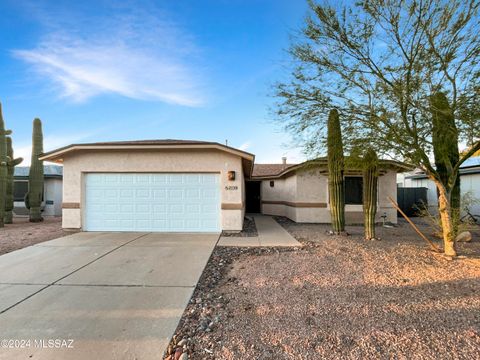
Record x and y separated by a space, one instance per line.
53 193
468 183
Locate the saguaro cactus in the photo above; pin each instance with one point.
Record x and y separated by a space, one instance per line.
370 186
335 173
3 166
445 147
33 199
10 172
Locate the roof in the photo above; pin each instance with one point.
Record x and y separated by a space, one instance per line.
471 162
267 171
48 171
57 155
469 166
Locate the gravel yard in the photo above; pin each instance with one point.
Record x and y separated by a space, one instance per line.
336 298
249 229
23 233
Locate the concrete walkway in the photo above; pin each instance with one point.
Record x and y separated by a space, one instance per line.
116 295
270 233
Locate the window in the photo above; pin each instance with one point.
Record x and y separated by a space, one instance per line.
20 188
272 183
353 190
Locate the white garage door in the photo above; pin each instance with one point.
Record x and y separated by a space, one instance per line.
152 202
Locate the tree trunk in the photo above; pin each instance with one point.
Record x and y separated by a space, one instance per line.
447 223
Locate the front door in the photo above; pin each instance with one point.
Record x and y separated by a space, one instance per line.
253 196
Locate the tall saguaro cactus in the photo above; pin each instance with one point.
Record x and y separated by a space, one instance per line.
10 172
370 186
335 173
445 147
3 166
33 199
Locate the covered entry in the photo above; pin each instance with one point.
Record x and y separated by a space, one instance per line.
253 196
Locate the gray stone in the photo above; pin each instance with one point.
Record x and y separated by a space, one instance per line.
464 236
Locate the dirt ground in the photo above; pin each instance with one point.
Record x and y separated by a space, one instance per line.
336 298
23 233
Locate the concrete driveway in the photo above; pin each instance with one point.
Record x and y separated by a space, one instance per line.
116 295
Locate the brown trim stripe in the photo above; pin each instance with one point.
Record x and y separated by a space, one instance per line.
70 205
232 206
295 204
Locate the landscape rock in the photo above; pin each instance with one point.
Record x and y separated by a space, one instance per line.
464 236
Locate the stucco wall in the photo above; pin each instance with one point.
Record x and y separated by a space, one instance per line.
310 187
148 161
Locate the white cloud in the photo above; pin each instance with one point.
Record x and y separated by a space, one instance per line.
245 146
139 56
51 142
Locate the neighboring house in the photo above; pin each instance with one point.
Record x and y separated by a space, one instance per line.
181 185
469 183
52 190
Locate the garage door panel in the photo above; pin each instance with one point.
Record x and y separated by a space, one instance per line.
111 179
152 202
159 194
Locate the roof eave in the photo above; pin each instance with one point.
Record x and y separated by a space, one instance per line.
57 155
384 164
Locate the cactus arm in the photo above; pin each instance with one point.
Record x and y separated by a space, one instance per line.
15 162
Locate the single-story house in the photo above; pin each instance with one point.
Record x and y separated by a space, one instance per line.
300 191
52 190
182 185
469 183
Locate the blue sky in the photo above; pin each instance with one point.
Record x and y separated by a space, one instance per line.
101 71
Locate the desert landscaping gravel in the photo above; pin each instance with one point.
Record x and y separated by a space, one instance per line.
23 233
336 298
249 229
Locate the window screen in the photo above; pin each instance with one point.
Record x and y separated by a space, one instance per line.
20 188
353 190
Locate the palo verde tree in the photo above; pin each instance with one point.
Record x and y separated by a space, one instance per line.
379 61
335 173
370 190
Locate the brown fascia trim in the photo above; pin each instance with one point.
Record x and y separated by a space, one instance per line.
70 205
295 204
232 206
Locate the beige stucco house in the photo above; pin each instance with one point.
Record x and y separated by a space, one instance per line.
300 191
181 185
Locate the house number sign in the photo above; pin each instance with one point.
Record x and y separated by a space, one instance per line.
231 187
